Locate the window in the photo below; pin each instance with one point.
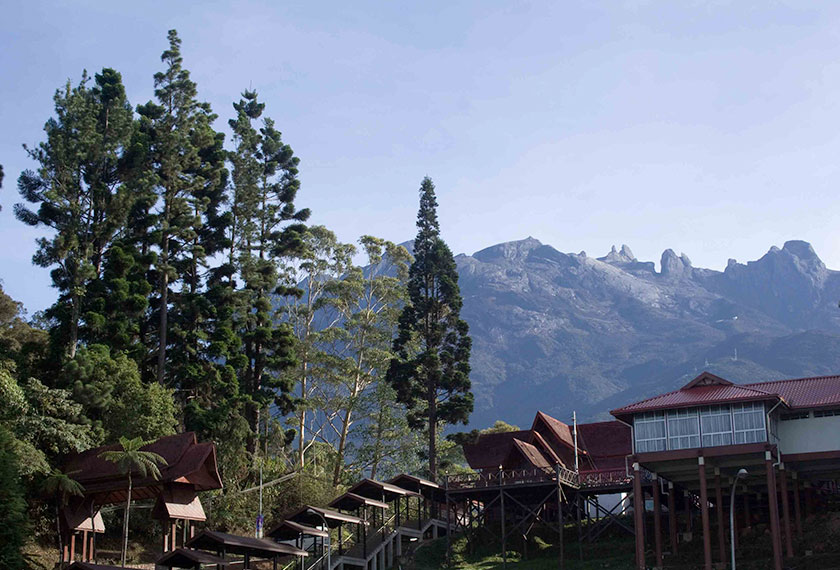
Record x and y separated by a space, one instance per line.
749 423
826 413
683 429
650 431
795 416
716 425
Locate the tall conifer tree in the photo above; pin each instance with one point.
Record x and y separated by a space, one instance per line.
78 188
265 231
188 173
430 373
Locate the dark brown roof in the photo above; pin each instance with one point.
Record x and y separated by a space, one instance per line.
333 518
376 489
561 430
288 530
76 516
530 454
416 482
491 449
607 444
178 501
803 393
188 558
351 501
187 462
234 544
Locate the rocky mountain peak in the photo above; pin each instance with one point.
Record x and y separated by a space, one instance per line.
673 266
510 251
615 256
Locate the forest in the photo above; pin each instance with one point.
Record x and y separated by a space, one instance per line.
192 294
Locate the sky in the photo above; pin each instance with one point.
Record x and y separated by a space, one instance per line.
712 128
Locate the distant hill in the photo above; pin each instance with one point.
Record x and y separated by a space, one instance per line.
562 331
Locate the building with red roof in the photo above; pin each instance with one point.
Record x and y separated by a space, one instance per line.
703 438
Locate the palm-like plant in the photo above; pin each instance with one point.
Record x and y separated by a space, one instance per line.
61 486
131 459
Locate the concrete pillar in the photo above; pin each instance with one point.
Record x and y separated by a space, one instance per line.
434 530
797 504
719 512
657 521
399 545
638 511
773 509
687 503
672 517
786 510
72 547
84 545
704 514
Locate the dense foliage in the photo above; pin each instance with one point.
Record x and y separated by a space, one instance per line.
191 295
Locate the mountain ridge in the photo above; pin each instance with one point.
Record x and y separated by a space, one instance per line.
565 331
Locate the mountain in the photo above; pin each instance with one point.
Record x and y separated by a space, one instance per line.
562 331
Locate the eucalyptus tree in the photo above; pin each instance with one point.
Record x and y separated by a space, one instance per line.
430 372
368 301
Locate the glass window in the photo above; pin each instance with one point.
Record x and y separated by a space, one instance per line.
749 423
716 425
683 429
650 431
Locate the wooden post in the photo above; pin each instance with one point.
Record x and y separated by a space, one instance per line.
91 551
84 546
797 506
657 521
773 510
72 547
704 514
719 511
638 510
747 515
672 517
687 501
786 510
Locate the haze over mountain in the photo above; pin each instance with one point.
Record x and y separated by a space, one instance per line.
563 331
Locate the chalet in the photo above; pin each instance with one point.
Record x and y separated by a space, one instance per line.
784 434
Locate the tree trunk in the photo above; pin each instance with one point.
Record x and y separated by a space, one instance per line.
58 531
125 523
342 443
432 399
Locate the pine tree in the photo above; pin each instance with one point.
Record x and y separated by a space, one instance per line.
265 232
430 373
79 191
188 175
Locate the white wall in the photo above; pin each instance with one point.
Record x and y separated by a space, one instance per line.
810 435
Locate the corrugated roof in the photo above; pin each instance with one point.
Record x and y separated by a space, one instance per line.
235 544
697 396
814 392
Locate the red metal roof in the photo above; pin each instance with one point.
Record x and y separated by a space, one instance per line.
815 392
694 394
707 389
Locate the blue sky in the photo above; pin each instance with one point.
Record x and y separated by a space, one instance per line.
712 128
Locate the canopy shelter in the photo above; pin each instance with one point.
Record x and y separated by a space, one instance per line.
352 502
190 468
224 544
188 558
80 519
429 505
385 492
309 538
310 517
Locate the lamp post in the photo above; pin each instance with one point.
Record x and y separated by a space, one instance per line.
329 539
742 474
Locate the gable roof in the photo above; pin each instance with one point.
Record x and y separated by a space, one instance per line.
235 544
813 392
561 431
491 449
189 558
530 453
707 389
607 443
187 461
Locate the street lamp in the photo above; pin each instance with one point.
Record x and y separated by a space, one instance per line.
742 474
327 528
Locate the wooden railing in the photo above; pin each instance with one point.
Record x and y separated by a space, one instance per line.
509 477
